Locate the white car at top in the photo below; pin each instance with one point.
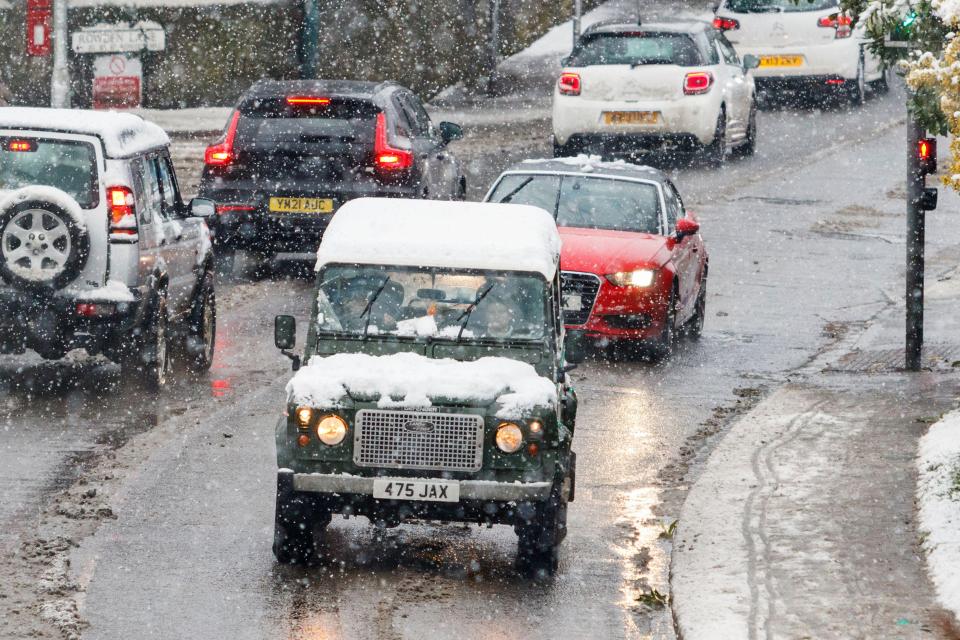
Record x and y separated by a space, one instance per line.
802 46
665 86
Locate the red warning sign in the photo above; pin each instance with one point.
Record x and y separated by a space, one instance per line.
117 82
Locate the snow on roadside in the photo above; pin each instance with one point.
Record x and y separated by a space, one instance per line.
938 494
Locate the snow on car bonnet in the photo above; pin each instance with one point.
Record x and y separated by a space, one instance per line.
414 381
123 134
456 235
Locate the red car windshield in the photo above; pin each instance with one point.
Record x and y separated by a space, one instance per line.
586 202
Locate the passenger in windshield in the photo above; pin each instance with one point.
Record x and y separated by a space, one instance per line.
384 312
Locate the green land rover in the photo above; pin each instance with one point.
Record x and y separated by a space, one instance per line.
434 385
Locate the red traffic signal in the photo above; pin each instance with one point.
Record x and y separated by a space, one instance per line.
927 155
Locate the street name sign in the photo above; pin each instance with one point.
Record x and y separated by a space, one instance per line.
119 38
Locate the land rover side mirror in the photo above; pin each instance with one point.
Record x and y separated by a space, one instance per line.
575 347
750 61
285 337
202 208
450 132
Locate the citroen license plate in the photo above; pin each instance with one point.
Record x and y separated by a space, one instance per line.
631 117
301 205
781 61
425 490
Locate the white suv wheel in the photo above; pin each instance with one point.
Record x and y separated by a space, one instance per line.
36 245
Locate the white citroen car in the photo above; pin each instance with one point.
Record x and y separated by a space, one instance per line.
666 86
802 47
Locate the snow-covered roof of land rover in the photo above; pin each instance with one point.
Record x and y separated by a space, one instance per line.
432 233
123 134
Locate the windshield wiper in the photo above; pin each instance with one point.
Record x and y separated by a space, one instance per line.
366 309
645 61
465 315
509 196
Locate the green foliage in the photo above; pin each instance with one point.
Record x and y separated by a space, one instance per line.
666 533
654 599
916 24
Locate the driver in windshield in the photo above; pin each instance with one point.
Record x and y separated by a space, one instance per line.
493 317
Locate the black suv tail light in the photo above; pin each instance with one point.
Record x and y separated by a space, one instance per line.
389 160
220 154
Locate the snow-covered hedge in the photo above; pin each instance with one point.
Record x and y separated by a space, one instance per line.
938 494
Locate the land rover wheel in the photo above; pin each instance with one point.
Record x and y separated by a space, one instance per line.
202 329
149 362
297 523
541 535
41 245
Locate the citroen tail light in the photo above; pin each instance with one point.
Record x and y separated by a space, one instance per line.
697 83
725 24
569 84
843 24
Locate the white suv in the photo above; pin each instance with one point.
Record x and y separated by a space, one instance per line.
97 249
670 86
802 47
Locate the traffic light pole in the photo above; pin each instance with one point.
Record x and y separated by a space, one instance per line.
915 243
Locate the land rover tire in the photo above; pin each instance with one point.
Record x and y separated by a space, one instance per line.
202 326
298 520
540 536
41 245
148 359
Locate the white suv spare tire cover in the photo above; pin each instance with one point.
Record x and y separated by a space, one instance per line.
43 238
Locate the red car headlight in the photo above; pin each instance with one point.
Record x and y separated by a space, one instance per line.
640 278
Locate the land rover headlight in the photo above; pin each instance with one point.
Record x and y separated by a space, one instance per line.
638 278
331 429
304 416
509 437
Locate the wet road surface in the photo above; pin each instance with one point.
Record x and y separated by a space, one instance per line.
805 240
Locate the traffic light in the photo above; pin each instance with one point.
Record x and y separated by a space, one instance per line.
927 156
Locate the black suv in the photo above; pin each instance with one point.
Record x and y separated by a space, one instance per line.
294 151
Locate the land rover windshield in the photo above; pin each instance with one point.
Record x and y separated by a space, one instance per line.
430 303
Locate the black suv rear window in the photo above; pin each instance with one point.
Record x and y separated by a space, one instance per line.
68 165
266 123
636 48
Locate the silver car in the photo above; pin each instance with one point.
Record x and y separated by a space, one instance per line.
97 249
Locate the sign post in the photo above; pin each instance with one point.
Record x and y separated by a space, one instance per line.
60 78
577 20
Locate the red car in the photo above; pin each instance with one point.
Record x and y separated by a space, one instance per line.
634 264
